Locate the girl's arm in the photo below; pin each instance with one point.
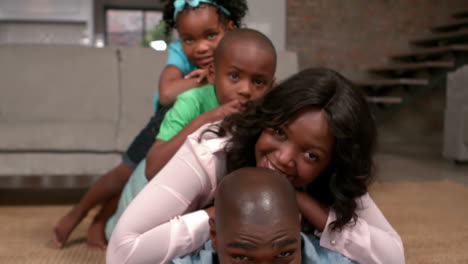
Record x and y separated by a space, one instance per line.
162 151
154 229
371 240
172 83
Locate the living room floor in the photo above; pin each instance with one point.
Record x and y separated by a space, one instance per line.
417 163
423 197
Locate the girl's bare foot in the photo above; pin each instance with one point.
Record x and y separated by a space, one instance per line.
64 227
96 236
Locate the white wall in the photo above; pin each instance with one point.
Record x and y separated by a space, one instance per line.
269 17
46 21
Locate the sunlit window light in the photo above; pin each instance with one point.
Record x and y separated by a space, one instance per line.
159 45
99 43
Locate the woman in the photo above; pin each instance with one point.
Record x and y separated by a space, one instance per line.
316 129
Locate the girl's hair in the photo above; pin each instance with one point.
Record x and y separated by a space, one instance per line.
351 168
237 8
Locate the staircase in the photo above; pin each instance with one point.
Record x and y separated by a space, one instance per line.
414 73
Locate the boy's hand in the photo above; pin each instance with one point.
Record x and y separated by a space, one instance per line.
222 111
201 75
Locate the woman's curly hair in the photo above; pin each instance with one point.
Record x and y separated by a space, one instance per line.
237 8
351 169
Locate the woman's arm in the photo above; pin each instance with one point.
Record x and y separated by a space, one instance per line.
313 211
162 151
172 83
153 228
371 240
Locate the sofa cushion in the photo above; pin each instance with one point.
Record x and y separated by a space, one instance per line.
140 70
58 98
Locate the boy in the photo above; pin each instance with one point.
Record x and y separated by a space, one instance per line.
244 67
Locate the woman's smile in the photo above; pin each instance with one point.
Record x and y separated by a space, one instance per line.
300 149
267 163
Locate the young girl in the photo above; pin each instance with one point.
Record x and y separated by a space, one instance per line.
200 24
314 128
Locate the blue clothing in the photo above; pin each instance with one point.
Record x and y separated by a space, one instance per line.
145 139
312 253
176 56
141 144
135 184
188 106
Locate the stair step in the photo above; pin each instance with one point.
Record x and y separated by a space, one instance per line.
455 24
461 14
460 35
384 99
430 51
414 66
391 82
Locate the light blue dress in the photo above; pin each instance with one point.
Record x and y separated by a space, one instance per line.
135 184
175 56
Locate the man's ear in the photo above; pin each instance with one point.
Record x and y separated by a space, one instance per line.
213 233
211 73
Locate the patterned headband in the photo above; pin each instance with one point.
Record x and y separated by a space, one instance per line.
179 6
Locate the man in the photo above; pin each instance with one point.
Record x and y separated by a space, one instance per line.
257 220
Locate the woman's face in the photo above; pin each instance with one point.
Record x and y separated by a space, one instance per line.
301 148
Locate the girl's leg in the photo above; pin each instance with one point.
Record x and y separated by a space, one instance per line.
111 183
107 186
96 234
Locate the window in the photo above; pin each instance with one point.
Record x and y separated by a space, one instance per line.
129 27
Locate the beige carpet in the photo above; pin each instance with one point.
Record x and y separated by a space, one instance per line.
431 217
26 232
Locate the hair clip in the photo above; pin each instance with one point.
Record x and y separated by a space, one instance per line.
179 6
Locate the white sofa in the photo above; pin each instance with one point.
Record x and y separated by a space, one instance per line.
71 110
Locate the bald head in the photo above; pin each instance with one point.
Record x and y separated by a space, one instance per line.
244 37
257 218
256 196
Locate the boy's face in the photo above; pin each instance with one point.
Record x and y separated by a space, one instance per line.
239 242
244 73
200 31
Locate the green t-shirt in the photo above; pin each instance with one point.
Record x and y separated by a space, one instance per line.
187 106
